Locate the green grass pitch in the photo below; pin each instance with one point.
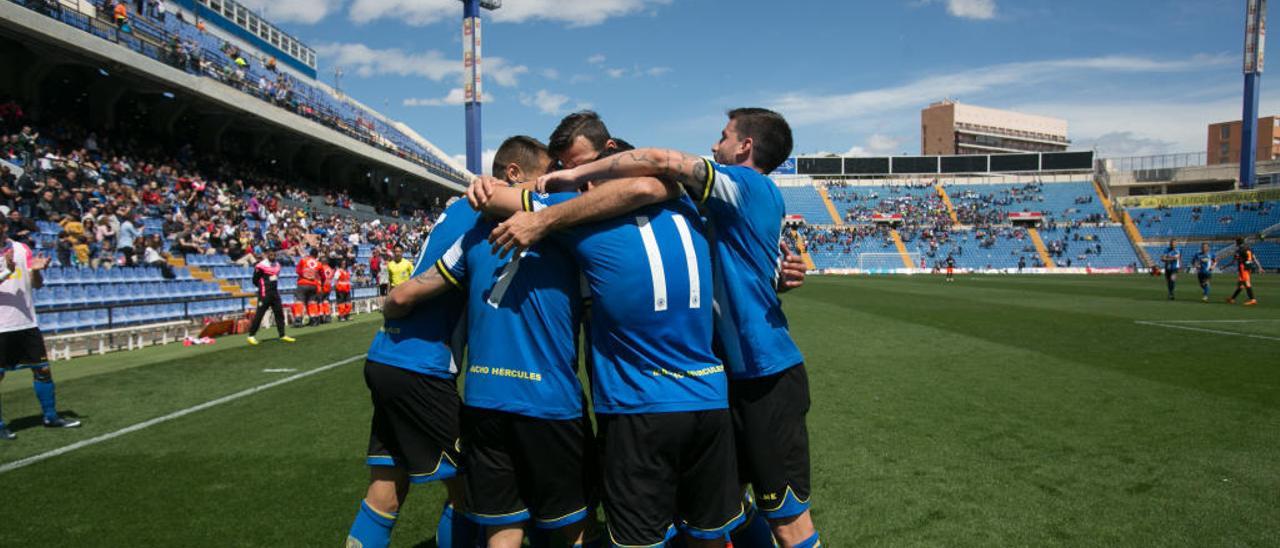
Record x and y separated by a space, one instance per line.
993 411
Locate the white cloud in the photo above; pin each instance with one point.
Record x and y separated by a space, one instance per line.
972 9
580 78
1127 143
502 72
1157 124
545 101
365 62
550 74
307 12
615 72
456 96
877 145
575 13
841 108
657 71
596 59
486 160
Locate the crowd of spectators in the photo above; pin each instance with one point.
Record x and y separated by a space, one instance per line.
231 65
120 202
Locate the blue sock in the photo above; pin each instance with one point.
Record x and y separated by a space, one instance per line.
44 393
372 529
1 414
754 531
811 542
1206 290
455 530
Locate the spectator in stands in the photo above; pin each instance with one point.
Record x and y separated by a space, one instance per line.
121 15
130 231
21 229
154 257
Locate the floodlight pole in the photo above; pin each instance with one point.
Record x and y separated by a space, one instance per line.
472 77
1255 34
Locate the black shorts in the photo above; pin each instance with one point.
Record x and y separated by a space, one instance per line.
664 466
24 347
1170 273
1204 277
415 422
344 296
306 294
773 439
520 468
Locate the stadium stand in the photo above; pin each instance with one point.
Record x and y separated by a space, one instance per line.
201 223
1210 221
190 46
1075 228
805 201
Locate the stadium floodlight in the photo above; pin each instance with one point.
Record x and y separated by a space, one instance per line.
1255 28
471 71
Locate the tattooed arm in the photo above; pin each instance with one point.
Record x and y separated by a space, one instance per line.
404 297
691 172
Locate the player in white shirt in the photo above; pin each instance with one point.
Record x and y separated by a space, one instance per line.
21 345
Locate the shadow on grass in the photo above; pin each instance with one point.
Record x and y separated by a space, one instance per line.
33 421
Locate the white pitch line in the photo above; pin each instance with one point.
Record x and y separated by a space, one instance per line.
1215 321
1203 330
171 416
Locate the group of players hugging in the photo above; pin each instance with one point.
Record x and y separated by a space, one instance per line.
672 266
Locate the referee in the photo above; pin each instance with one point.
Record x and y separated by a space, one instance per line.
265 276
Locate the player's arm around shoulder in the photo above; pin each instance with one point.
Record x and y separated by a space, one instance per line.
431 282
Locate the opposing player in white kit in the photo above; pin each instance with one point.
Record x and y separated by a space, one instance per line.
21 345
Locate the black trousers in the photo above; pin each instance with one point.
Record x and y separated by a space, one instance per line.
277 311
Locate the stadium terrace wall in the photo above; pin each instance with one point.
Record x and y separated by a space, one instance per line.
885 166
26 25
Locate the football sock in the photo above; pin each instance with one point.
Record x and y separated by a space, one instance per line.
811 542
1171 284
43 385
754 531
455 529
1205 288
1237 293
1 418
372 529
1249 291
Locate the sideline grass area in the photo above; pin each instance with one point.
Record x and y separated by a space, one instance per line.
994 411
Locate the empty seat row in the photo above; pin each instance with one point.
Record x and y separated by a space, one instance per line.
87 295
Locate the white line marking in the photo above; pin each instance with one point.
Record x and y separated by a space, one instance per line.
1214 321
290 370
1203 330
171 416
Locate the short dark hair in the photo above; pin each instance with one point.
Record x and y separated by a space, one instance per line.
769 133
521 150
619 146
585 123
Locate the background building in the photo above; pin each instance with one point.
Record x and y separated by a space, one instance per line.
948 128
1224 141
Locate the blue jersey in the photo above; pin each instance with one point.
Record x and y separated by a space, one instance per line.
1172 259
431 338
523 314
651 324
745 210
1203 262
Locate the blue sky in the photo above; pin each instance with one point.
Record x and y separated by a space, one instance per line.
1131 77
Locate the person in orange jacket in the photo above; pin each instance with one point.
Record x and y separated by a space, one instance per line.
310 281
343 286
